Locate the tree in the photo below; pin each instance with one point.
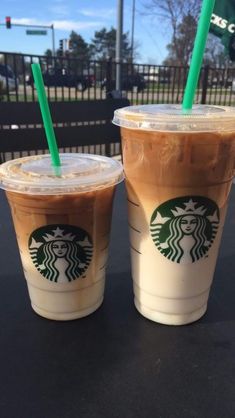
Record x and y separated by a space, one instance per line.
79 50
175 13
79 47
181 19
215 54
180 48
48 53
103 45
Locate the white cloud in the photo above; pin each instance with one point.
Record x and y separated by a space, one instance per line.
59 24
28 21
60 10
103 13
72 25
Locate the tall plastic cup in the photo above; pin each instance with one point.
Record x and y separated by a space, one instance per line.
179 169
62 223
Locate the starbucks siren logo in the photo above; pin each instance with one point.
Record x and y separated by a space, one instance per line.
184 229
61 253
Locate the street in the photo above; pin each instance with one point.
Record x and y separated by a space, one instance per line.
158 94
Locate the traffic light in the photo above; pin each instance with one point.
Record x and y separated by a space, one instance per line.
61 46
8 22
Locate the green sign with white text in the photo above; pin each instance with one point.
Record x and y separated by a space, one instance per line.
223 24
36 32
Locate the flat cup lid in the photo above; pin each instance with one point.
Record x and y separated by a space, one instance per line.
78 173
170 117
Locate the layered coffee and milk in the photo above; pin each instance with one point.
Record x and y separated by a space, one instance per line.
179 171
62 224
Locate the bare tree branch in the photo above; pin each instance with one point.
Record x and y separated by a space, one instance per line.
174 13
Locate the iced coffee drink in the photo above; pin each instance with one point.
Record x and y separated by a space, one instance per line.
179 170
62 223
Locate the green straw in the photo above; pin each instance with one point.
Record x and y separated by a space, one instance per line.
198 51
46 115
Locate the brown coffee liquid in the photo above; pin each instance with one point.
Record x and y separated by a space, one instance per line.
164 165
90 211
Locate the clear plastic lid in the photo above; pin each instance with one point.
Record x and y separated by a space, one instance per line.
78 173
171 117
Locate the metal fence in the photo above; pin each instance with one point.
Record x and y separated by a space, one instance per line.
72 79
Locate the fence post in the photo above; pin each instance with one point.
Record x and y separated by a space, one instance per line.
107 149
205 83
109 74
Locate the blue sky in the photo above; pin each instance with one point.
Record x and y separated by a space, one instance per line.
83 16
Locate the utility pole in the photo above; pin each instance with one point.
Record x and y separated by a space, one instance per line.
53 39
119 45
132 30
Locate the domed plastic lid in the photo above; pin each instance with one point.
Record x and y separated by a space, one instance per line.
78 173
172 118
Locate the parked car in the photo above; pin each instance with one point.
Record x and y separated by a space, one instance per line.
220 82
127 83
8 80
61 77
151 77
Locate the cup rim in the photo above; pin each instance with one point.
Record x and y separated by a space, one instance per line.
171 117
106 172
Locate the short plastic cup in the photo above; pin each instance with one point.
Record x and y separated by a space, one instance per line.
62 223
179 169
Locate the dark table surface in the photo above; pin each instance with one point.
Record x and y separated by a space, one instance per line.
116 363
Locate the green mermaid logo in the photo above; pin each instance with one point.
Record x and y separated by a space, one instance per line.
184 229
61 253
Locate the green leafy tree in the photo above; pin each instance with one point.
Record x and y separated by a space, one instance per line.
79 52
49 60
79 48
103 45
48 53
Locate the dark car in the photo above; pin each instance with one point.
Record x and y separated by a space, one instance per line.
8 80
61 77
127 83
